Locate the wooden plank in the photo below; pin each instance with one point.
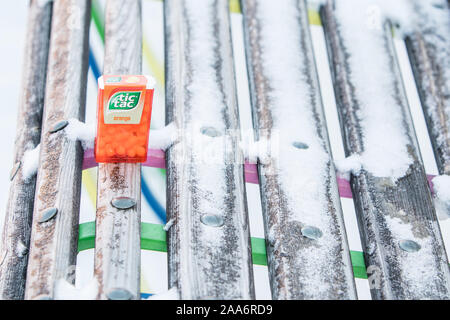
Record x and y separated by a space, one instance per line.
54 242
19 211
209 252
429 49
117 242
298 182
390 210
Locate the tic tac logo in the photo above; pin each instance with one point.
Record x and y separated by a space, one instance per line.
124 100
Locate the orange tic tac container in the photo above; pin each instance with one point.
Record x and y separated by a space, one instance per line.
123 118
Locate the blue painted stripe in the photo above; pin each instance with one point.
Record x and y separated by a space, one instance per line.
93 65
152 201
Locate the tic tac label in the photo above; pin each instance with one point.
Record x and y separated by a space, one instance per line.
125 107
123 118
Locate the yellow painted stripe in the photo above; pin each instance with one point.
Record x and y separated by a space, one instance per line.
144 284
235 6
314 17
155 66
90 183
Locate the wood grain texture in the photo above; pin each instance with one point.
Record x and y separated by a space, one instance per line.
19 211
299 267
209 259
429 52
54 243
395 274
117 242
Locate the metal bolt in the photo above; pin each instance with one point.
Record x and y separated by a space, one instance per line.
59 126
311 232
14 170
212 220
210 131
300 145
119 294
409 246
123 203
48 214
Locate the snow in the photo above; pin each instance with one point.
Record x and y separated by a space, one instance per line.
80 131
441 186
66 291
21 249
415 266
385 139
171 294
258 150
168 225
163 138
85 133
30 163
351 164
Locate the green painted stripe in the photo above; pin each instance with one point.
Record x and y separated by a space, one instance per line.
359 267
86 236
98 18
153 237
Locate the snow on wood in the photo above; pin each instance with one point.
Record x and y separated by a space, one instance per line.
402 243
17 227
209 252
306 240
429 50
117 242
30 163
80 131
441 186
54 237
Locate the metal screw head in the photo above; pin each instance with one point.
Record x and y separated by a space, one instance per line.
409 246
123 203
119 294
300 145
48 214
59 126
14 170
210 131
311 232
212 220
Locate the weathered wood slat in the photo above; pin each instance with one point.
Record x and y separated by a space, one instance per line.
53 244
117 242
298 182
17 227
209 252
390 210
429 52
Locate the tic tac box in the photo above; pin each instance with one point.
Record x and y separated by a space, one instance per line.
123 118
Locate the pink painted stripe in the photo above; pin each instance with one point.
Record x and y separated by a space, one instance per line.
156 159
